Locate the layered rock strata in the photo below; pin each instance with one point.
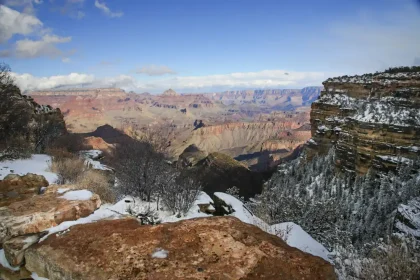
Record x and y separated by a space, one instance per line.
373 120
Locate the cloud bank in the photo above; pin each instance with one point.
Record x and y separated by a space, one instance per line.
240 80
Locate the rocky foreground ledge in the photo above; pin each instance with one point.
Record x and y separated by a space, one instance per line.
202 248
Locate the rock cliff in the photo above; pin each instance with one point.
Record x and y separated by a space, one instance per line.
373 120
26 126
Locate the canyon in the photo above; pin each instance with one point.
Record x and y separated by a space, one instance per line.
372 120
258 127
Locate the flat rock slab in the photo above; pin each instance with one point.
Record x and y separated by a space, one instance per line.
203 248
41 212
17 188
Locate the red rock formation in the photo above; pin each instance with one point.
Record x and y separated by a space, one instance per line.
206 248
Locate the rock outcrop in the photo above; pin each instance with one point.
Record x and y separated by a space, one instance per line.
206 248
407 218
373 120
40 212
16 188
26 126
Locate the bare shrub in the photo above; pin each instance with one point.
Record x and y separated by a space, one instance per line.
68 169
140 170
97 182
179 196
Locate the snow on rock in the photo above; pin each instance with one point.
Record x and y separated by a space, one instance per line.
407 219
292 233
36 277
296 237
106 211
5 263
77 195
160 253
37 164
62 190
240 210
91 159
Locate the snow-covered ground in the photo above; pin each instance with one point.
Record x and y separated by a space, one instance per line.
37 164
296 237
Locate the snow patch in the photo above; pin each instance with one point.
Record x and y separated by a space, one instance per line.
296 237
77 195
36 277
36 164
160 253
5 263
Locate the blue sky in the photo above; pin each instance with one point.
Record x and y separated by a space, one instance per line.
203 45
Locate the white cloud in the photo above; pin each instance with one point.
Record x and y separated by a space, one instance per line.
262 79
46 46
107 11
13 22
155 70
65 59
29 82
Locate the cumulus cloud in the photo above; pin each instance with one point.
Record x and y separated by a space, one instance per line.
155 70
262 79
46 46
29 82
13 22
107 11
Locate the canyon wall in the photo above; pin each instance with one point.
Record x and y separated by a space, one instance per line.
373 120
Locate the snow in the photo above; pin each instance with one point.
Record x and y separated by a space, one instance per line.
91 159
312 141
395 159
77 195
160 253
296 237
385 112
62 190
240 211
37 164
5 263
106 211
36 277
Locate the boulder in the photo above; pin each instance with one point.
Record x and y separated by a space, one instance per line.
15 187
14 248
41 212
202 248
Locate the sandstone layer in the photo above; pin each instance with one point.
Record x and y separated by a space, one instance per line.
38 213
373 120
206 248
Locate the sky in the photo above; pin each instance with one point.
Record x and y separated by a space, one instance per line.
203 45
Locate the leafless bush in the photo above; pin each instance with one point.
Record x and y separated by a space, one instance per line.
180 196
97 182
69 170
140 170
